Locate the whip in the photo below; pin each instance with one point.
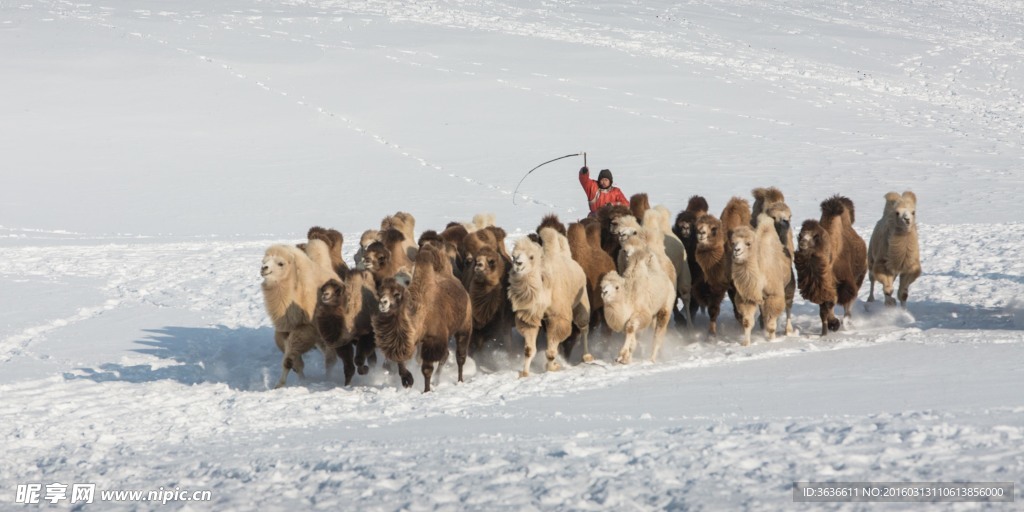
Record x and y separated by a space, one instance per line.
542 165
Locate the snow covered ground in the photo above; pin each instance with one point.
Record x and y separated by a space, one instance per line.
153 150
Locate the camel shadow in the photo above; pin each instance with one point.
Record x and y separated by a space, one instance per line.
243 359
926 315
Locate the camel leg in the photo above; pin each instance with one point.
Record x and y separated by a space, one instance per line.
330 357
585 334
887 282
581 319
558 329
569 343
441 364
427 367
688 312
346 353
829 322
714 308
735 307
462 341
296 343
871 288
905 282
789 318
790 295
660 326
292 361
286 366
405 374
692 310
747 312
365 350
530 337
771 324
626 354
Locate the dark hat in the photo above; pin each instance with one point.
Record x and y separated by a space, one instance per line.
605 173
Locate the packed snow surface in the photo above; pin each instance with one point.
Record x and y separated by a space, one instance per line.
153 150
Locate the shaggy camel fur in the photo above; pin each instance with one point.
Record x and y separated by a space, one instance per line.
406 224
430 237
686 229
656 223
343 318
291 281
387 257
488 292
424 315
547 287
452 240
585 246
638 205
552 221
710 256
714 255
771 202
334 240
491 237
643 295
606 214
893 251
480 221
318 251
849 250
368 237
831 261
661 217
814 272
549 221
761 271
651 236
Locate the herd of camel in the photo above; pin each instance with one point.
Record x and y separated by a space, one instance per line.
627 269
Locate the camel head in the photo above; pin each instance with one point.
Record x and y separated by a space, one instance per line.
489 266
332 293
812 237
390 295
624 227
611 286
376 257
278 264
905 212
742 242
781 215
708 229
685 225
633 244
526 255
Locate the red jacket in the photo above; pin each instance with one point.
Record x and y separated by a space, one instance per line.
598 197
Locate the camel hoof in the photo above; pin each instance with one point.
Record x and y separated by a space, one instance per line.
363 370
407 380
523 374
553 366
833 324
623 359
889 301
745 343
587 358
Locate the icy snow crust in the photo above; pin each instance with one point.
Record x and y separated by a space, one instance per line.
152 151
